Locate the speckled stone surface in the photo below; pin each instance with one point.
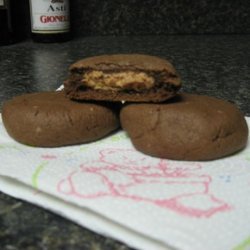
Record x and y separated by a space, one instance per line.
155 17
212 65
135 17
26 227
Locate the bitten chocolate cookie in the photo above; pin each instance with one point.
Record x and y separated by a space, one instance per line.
122 77
49 119
188 127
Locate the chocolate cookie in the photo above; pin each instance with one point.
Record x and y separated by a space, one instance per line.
49 119
124 77
188 127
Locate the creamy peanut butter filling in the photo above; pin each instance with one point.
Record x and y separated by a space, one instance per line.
117 80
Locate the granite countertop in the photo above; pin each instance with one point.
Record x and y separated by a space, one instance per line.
216 65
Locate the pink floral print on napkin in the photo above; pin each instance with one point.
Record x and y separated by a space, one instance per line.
124 173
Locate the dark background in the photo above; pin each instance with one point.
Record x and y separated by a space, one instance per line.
156 17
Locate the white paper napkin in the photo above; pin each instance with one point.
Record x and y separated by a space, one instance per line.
148 203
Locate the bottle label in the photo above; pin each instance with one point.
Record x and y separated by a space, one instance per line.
2 3
49 16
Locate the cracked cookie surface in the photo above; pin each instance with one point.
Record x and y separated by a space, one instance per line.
187 127
49 119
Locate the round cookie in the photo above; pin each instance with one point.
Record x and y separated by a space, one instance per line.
49 119
189 127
